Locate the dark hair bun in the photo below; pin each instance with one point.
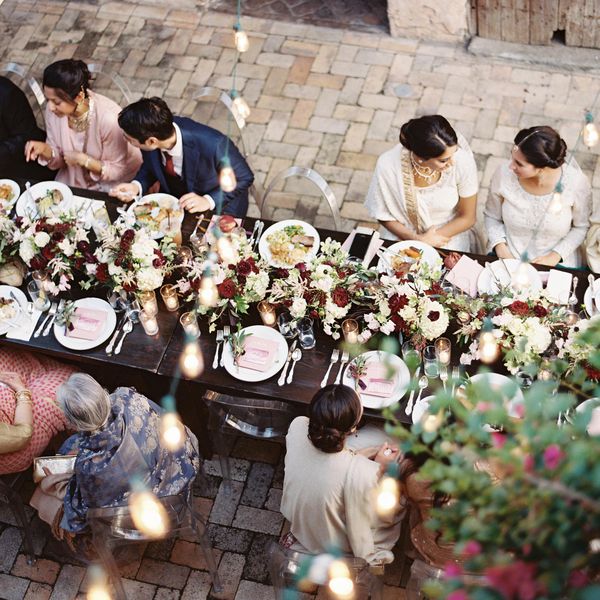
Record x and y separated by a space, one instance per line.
326 439
542 146
428 136
69 75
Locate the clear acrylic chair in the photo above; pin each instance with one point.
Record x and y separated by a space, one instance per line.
29 85
110 84
308 207
113 526
10 485
257 418
285 563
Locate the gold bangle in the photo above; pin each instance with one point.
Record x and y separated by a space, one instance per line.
87 163
23 394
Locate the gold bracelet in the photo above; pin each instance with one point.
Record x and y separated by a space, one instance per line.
87 163
23 394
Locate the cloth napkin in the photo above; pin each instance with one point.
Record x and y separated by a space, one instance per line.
558 288
377 381
465 274
87 324
259 354
89 208
26 327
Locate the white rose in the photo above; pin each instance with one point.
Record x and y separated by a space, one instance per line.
67 247
324 284
149 279
298 308
26 251
41 238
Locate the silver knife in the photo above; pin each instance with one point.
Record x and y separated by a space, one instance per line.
261 226
113 339
409 404
281 379
254 230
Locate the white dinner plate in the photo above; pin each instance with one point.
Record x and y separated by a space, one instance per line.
593 427
265 251
27 207
244 374
402 379
17 320
486 283
511 393
420 408
6 205
79 344
164 226
588 297
429 254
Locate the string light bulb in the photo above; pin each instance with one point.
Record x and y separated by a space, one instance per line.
521 278
340 582
227 180
241 39
555 205
98 588
590 132
172 431
208 294
148 514
241 106
388 492
225 250
191 361
488 344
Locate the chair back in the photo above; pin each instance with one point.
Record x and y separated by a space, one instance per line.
305 190
110 84
20 76
256 417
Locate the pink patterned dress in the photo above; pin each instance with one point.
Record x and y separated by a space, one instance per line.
42 376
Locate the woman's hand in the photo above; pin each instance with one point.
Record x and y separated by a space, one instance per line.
35 149
550 260
433 238
12 380
387 454
194 203
125 192
75 159
502 251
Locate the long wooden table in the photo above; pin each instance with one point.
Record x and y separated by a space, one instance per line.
159 354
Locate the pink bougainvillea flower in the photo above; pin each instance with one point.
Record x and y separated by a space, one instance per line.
483 406
498 439
552 456
528 463
578 579
472 548
452 571
515 581
458 595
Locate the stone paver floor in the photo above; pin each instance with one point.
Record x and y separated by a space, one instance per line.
320 97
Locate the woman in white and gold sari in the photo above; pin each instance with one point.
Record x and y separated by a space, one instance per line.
425 188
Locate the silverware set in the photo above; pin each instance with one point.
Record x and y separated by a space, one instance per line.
256 233
333 359
290 356
343 363
409 405
44 328
222 338
124 328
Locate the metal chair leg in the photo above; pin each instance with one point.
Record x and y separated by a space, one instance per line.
207 550
100 542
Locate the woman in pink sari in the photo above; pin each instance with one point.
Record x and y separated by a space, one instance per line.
84 140
29 415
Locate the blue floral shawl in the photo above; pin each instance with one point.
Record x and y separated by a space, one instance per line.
128 445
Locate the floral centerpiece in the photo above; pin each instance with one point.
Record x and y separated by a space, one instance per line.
324 288
129 260
54 244
12 268
577 348
239 283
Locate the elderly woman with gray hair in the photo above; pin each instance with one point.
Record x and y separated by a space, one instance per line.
117 438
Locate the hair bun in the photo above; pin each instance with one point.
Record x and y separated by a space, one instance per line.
326 439
405 135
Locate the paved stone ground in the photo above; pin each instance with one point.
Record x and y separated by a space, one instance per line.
322 98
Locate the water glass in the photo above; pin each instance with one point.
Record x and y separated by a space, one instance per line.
38 295
430 362
410 354
306 334
287 325
524 379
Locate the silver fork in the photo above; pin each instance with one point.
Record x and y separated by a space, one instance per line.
334 358
409 405
61 305
113 339
444 375
345 357
51 312
455 378
219 342
226 331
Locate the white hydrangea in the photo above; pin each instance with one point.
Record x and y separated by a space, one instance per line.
298 308
258 283
335 312
149 279
408 313
27 250
538 336
324 283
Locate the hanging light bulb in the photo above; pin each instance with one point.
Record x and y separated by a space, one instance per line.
98 589
590 131
191 361
488 346
241 106
388 495
208 293
172 431
241 39
340 582
225 250
555 205
148 514
521 278
227 180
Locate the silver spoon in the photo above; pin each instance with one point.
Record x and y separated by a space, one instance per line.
296 356
127 328
423 383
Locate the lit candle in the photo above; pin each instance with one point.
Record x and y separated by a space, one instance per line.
169 296
149 322
148 302
443 351
189 322
267 313
184 254
571 318
350 330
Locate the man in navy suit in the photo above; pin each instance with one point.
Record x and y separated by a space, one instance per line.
184 157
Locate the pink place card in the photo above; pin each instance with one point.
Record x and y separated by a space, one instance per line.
378 381
465 274
259 354
87 323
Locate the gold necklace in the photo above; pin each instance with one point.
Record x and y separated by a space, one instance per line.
81 122
425 173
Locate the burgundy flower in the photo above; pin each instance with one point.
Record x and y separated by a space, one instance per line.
129 287
301 267
539 311
128 235
281 273
195 284
102 273
590 371
48 253
250 260
481 313
58 237
520 308
227 289
38 262
156 263
552 456
244 268
400 323
397 302
433 315
340 297
83 246
314 314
